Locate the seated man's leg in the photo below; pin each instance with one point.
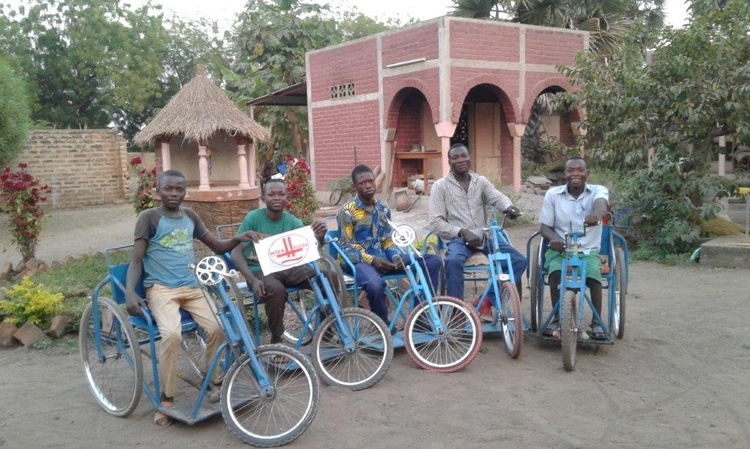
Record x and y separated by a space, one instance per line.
275 303
164 305
204 314
431 265
374 285
554 287
455 256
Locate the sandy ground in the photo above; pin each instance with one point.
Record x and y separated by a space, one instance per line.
677 379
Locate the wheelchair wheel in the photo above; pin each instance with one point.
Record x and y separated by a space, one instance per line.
335 197
536 286
397 315
275 419
326 262
569 330
620 286
193 344
370 360
113 365
304 301
450 351
511 319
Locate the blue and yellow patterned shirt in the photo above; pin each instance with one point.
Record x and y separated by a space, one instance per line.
364 234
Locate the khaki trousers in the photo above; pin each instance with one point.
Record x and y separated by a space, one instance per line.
164 304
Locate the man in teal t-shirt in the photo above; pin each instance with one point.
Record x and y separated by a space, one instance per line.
162 251
259 223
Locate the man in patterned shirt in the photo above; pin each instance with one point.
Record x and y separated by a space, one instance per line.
458 216
366 241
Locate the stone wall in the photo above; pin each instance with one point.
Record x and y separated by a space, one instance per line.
83 167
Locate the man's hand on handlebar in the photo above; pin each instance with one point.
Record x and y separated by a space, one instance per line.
592 220
512 212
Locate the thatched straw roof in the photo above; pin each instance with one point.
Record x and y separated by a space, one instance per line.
198 111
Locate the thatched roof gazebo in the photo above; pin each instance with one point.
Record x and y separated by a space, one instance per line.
197 133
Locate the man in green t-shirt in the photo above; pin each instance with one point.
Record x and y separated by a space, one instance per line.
272 220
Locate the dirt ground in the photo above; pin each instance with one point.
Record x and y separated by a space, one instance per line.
678 379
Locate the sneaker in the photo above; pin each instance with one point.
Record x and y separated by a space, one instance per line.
485 312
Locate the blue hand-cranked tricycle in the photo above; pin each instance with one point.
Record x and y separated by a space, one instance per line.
269 395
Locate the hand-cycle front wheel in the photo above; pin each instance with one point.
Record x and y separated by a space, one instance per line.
448 350
280 417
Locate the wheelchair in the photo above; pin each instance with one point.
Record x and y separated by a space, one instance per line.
440 333
349 347
269 395
575 303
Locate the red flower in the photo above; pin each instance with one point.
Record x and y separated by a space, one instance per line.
136 161
23 165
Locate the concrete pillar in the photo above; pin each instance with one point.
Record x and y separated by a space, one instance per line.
516 131
242 162
203 167
722 155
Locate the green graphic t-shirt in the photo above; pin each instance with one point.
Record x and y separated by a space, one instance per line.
257 221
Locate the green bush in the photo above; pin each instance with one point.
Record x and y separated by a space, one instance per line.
29 302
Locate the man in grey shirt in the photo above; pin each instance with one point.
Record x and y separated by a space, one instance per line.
457 215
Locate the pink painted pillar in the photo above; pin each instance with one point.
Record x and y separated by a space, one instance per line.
242 162
445 131
166 161
251 163
516 131
203 166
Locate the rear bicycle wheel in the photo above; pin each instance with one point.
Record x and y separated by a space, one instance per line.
536 287
569 330
366 364
451 350
620 286
335 197
113 365
281 417
511 319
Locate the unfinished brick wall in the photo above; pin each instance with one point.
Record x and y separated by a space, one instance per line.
83 167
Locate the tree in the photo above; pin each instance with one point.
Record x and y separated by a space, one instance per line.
15 114
92 63
672 103
269 54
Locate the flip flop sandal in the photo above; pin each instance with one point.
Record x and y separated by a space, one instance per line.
597 333
552 330
162 420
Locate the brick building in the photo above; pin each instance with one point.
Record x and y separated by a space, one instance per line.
400 98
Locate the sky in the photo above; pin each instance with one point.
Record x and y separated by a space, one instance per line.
224 11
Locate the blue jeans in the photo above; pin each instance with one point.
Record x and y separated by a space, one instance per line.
371 281
456 254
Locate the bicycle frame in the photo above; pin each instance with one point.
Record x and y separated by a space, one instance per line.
495 233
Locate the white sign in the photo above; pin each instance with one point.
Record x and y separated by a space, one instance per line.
287 250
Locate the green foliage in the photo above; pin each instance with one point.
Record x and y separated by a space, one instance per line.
302 200
15 114
269 54
145 180
94 62
672 104
76 279
29 302
668 204
21 197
